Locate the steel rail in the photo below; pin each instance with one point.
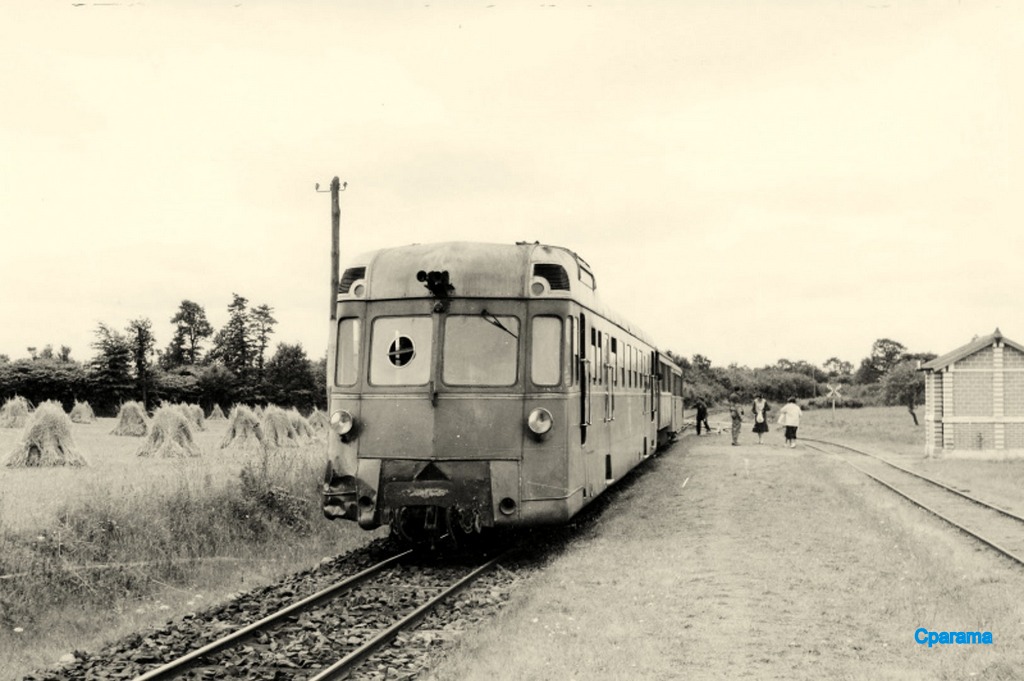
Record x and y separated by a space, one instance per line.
344 666
944 486
920 504
173 667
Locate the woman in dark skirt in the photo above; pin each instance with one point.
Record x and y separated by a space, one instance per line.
761 409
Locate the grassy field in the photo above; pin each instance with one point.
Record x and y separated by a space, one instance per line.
128 542
759 562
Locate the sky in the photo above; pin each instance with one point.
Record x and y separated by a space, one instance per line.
749 181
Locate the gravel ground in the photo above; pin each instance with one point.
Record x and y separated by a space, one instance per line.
757 562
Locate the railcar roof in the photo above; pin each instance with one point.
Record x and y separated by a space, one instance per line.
478 270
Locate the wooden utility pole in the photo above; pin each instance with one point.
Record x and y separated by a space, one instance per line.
335 253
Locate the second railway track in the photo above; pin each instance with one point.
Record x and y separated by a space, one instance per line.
995 527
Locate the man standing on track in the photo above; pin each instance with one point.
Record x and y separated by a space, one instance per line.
789 416
736 414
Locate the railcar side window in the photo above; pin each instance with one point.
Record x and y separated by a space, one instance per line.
346 365
546 351
400 350
481 350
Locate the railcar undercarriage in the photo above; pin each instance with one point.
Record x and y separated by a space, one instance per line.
436 525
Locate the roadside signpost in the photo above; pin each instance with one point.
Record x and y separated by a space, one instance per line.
833 392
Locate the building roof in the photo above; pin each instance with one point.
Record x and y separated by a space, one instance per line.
968 350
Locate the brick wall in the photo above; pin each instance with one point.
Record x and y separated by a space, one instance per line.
1014 435
972 394
1013 393
982 359
974 436
1012 358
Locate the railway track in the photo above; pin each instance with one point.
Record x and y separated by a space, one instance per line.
327 635
333 620
995 527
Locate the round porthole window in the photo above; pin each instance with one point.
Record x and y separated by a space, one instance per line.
401 351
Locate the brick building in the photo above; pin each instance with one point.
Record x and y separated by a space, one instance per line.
974 400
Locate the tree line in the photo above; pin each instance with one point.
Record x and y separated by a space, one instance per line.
887 376
199 365
228 366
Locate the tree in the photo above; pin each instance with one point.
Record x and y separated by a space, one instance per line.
43 379
262 325
217 385
701 363
142 342
886 354
320 374
233 344
904 384
290 378
838 369
191 327
110 370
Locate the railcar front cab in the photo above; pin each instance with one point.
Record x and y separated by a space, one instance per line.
451 411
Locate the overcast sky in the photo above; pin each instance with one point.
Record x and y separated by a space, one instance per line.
749 181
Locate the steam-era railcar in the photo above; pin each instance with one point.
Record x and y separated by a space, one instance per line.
482 385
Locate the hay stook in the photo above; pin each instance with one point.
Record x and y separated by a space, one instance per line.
193 413
318 420
170 435
244 430
131 420
277 428
47 440
82 413
303 430
15 412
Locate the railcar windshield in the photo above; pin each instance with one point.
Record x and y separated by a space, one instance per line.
546 350
400 350
346 367
481 350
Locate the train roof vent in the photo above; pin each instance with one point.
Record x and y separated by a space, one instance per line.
556 276
352 275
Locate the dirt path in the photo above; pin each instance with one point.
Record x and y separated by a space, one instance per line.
769 563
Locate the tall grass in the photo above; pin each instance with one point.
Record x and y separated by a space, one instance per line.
118 542
82 550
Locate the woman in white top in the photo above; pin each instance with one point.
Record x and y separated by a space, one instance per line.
789 416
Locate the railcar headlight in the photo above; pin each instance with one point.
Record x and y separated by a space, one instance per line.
539 421
342 422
